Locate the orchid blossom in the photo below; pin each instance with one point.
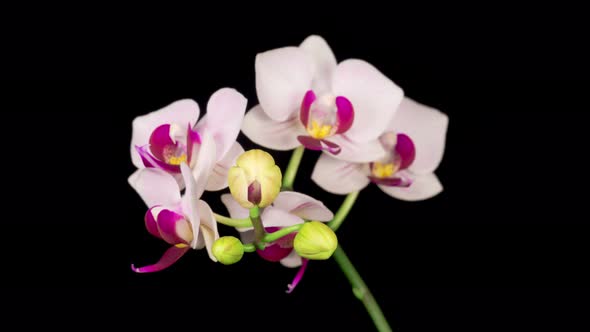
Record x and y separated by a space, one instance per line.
288 209
167 138
184 222
414 141
307 98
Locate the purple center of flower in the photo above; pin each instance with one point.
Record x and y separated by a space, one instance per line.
279 249
324 117
401 153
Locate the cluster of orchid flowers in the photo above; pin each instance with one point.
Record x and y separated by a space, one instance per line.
365 128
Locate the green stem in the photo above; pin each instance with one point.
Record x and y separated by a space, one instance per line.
361 291
343 210
249 247
232 222
291 171
270 237
259 232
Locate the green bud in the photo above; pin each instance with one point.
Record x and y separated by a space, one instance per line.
316 241
228 250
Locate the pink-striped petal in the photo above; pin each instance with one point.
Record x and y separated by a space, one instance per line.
266 132
303 206
423 187
338 176
283 76
428 129
179 112
170 257
374 96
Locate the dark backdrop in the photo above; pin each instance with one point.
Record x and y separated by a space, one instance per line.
501 249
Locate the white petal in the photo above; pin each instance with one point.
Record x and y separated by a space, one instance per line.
283 76
374 97
275 217
427 127
424 187
339 177
225 112
205 162
155 187
293 260
208 227
324 60
181 112
302 206
264 131
236 211
218 178
190 203
353 151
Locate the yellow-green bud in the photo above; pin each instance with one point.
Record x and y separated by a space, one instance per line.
255 180
228 250
315 240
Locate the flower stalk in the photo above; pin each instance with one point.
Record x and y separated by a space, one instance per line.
292 168
259 231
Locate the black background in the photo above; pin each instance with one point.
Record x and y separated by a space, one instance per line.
503 248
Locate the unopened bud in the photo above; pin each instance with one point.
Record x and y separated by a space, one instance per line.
228 250
316 241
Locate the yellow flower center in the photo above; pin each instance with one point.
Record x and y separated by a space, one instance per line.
318 131
181 245
173 160
383 170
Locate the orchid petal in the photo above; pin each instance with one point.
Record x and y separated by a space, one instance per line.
159 140
345 114
170 257
149 161
375 98
423 187
338 176
283 76
323 59
406 150
308 99
208 227
189 203
192 138
204 162
236 211
150 222
303 206
173 228
427 127
155 187
353 151
180 112
276 217
319 144
225 112
298 276
264 131
292 261
218 178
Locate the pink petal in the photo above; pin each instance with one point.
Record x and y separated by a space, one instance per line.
353 151
225 112
264 131
298 276
150 223
302 206
192 138
375 98
180 112
208 226
423 187
308 99
283 76
406 149
338 176
218 178
427 127
173 228
155 187
323 59
236 211
151 162
345 114
275 217
159 140
293 260
189 202
170 257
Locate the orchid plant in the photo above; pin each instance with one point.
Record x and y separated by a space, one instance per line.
365 128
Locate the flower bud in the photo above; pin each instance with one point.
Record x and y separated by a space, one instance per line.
315 240
228 250
255 180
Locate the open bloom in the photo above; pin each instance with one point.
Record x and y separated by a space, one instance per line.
306 98
183 222
289 208
414 141
167 138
